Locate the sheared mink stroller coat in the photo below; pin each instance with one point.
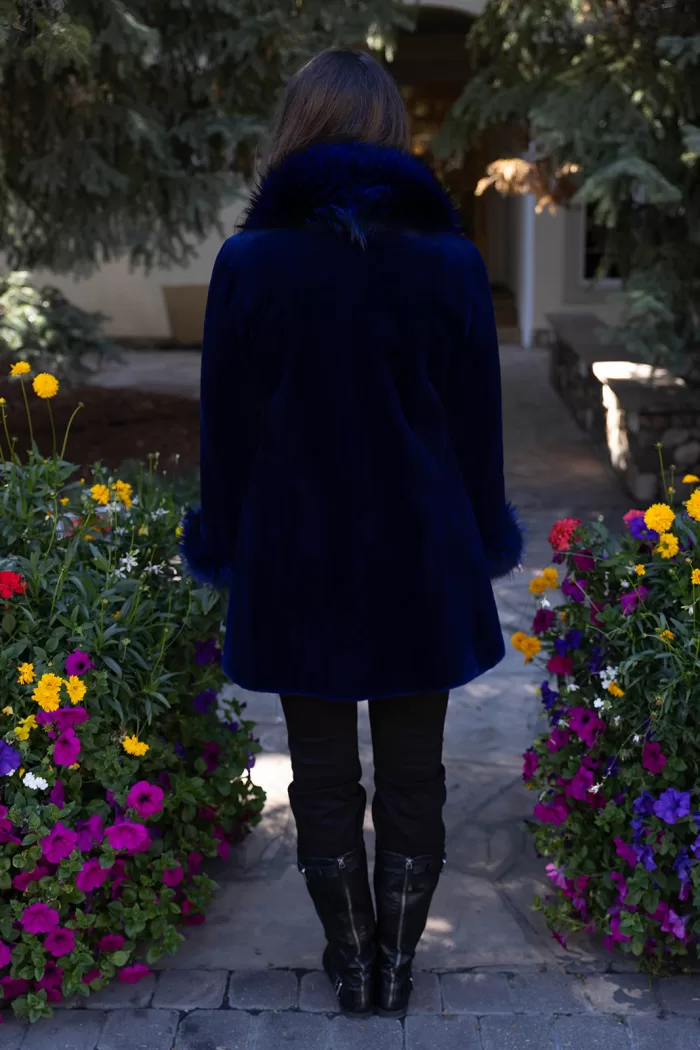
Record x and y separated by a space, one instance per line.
352 493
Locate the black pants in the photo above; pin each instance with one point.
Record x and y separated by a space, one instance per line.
327 798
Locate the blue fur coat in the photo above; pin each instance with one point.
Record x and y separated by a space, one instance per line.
352 493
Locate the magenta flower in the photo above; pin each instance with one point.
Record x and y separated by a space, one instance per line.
563 665
223 849
60 941
39 918
58 794
194 862
127 836
59 843
586 724
580 784
13 986
584 561
145 798
544 618
133 974
6 828
111 942
574 590
78 663
616 934
556 875
68 717
628 853
620 884
52 982
90 832
558 739
5 955
653 758
91 975
555 812
210 754
91 876
530 764
25 878
173 876
631 599
66 749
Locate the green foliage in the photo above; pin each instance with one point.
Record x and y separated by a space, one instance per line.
613 88
40 326
617 771
125 125
97 570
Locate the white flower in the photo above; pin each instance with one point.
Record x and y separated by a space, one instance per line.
159 512
617 720
637 738
545 603
625 583
608 676
128 562
631 569
32 782
11 772
563 723
595 789
157 570
599 704
572 687
135 500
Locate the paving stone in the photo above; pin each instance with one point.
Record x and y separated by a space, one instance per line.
220 1029
517 1033
445 1033
347 1033
263 990
586 1032
680 995
675 1033
476 993
119 995
64 1031
12 1033
621 993
551 992
302 1031
190 990
139 1030
316 994
425 997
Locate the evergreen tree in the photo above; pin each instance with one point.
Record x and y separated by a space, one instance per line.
125 125
609 92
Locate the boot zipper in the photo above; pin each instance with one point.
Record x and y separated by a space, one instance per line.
402 912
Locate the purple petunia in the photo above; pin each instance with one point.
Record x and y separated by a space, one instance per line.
544 618
571 640
549 696
626 852
639 530
645 856
204 702
643 805
575 590
631 599
683 866
672 805
207 652
9 759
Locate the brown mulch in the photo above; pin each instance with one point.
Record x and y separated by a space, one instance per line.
113 426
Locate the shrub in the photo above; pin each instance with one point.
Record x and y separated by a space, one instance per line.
117 774
617 771
40 326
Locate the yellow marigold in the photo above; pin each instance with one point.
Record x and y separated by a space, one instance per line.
692 505
124 492
24 728
133 746
615 690
3 401
8 710
668 545
76 765
640 570
179 532
76 689
666 636
20 368
551 578
63 500
695 576
691 479
142 530
538 585
47 692
530 648
45 385
659 517
517 640
100 494
82 481
27 674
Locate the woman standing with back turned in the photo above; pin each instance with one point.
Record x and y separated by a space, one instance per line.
352 495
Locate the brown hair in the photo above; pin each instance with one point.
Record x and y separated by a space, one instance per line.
340 95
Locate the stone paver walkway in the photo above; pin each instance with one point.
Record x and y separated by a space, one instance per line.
492 978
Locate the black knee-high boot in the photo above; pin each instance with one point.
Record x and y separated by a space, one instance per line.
403 887
339 889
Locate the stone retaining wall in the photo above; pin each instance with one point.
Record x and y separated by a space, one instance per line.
627 408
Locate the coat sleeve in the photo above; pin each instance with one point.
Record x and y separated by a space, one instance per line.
475 419
228 433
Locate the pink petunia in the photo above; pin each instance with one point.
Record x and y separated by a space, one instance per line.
620 884
210 754
555 812
111 942
653 759
544 618
58 794
60 941
69 717
558 739
580 784
90 832
145 798
59 843
78 663
631 599
66 749
562 665
585 561
194 862
586 724
530 764
5 955
173 876
22 881
90 976
52 982
625 851
91 876
133 974
39 918
127 836
631 515
13 986
556 875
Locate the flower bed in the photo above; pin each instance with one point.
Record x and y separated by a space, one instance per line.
617 772
120 771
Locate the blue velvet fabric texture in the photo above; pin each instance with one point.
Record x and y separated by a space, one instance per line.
352 493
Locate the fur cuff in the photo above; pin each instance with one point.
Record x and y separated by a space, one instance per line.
505 557
198 556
